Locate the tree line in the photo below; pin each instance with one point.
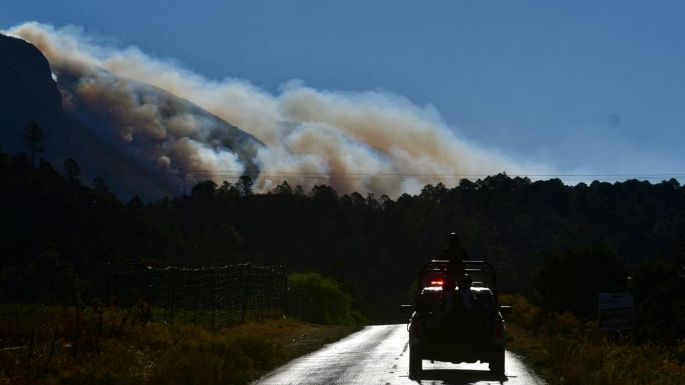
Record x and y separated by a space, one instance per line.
60 231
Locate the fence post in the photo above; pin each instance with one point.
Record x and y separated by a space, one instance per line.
212 304
246 291
30 356
46 367
52 345
77 334
285 291
171 294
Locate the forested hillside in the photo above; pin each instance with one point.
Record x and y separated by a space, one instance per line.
59 231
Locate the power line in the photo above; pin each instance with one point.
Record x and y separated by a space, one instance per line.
319 175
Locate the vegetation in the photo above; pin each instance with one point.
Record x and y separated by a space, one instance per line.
560 336
557 244
659 289
565 350
57 344
569 281
373 245
34 137
323 300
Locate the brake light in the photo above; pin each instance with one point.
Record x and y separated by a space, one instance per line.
437 283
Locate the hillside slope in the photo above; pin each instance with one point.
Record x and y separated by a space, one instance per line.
91 132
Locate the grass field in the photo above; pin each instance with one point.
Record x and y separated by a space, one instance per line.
564 350
51 345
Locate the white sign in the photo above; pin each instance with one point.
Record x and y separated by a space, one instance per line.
615 300
615 310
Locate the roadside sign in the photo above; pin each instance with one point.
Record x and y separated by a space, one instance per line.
615 310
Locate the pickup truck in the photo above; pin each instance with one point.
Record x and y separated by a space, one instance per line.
456 324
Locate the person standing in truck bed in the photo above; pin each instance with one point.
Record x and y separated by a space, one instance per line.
455 254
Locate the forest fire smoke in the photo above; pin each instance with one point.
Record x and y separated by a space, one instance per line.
355 141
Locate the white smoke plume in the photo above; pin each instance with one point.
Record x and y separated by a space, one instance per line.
367 142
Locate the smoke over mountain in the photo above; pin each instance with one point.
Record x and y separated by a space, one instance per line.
369 141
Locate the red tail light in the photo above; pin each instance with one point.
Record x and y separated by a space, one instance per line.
437 283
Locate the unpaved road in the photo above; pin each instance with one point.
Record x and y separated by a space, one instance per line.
379 355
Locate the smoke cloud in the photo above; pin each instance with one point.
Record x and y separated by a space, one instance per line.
355 141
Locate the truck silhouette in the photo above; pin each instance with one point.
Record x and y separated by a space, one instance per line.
456 324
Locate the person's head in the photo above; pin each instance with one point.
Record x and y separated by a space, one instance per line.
453 240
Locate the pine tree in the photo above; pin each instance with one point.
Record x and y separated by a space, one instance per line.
34 139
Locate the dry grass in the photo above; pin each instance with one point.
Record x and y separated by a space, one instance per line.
52 345
566 351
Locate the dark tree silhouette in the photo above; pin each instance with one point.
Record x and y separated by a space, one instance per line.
245 185
204 190
100 185
34 138
373 245
228 191
299 191
659 290
72 170
283 188
570 281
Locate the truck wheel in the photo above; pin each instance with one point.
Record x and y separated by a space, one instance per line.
496 364
415 363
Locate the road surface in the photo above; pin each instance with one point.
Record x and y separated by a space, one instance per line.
379 355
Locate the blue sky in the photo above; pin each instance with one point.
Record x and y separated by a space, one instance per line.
585 86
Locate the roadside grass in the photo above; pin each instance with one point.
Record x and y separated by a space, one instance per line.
564 350
57 344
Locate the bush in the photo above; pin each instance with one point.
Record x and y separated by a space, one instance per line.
569 281
319 299
49 279
565 350
659 289
114 347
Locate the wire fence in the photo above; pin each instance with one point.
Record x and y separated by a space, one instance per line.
213 296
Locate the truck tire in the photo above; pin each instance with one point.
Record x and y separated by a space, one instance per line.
415 363
496 363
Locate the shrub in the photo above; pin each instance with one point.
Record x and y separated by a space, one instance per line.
49 279
320 299
94 346
569 281
567 351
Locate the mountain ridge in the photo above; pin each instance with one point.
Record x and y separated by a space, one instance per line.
33 90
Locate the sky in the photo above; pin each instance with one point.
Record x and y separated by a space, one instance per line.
583 86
